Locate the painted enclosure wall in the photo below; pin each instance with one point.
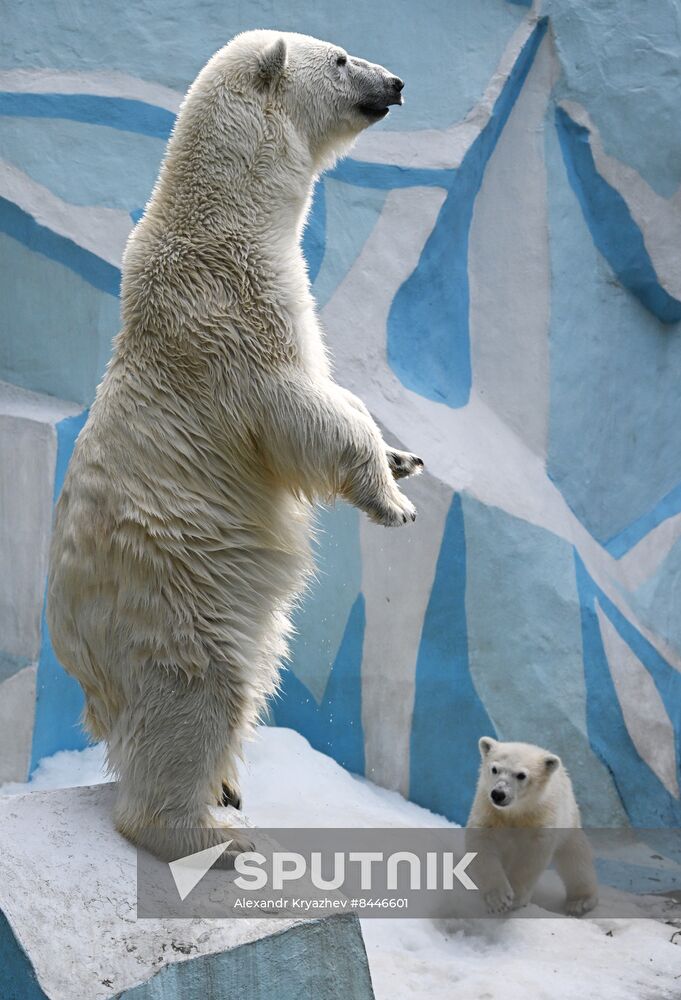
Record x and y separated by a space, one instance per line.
497 269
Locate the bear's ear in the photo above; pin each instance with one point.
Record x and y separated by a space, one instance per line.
272 61
485 743
551 762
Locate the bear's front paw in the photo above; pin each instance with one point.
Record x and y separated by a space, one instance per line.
499 900
403 463
392 514
580 905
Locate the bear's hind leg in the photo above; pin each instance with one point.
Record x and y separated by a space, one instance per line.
169 749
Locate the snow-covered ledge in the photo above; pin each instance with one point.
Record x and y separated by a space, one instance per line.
68 925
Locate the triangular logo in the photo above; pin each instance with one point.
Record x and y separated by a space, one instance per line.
187 872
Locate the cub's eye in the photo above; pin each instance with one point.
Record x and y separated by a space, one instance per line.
341 60
521 775
495 770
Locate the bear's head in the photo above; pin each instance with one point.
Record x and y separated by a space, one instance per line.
325 95
515 775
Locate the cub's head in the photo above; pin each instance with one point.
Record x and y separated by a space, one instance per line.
328 95
514 774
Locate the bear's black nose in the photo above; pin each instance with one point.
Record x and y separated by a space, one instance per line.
398 84
497 795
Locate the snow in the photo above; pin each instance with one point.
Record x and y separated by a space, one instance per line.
287 783
66 769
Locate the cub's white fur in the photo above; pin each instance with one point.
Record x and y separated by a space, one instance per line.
526 789
181 535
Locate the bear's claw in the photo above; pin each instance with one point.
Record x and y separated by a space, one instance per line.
229 797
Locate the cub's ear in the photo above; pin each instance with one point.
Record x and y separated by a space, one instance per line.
551 762
272 61
485 743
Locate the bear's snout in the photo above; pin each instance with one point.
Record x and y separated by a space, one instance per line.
392 88
380 90
498 796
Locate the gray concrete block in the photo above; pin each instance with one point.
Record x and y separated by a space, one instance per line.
17 713
69 928
28 448
28 452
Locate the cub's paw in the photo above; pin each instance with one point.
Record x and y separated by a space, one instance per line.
580 905
392 513
403 463
499 900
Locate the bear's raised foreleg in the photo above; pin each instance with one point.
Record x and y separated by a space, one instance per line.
402 463
321 444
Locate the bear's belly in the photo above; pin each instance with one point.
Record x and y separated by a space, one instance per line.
156 560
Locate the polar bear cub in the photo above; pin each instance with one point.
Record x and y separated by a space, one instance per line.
527 789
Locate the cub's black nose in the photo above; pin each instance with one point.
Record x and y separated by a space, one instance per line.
497 795
398 84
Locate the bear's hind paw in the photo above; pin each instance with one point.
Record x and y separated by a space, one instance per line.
239 842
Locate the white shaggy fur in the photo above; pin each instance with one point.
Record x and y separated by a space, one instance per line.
182 532
525 789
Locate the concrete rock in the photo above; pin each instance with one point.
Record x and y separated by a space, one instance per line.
28 454
68 924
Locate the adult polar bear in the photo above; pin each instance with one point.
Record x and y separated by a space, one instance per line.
182 531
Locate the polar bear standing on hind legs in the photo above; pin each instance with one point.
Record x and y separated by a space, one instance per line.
182 533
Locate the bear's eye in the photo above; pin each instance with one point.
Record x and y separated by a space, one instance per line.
521 775
341 60
495 770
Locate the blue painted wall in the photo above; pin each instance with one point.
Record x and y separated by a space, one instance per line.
616 453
